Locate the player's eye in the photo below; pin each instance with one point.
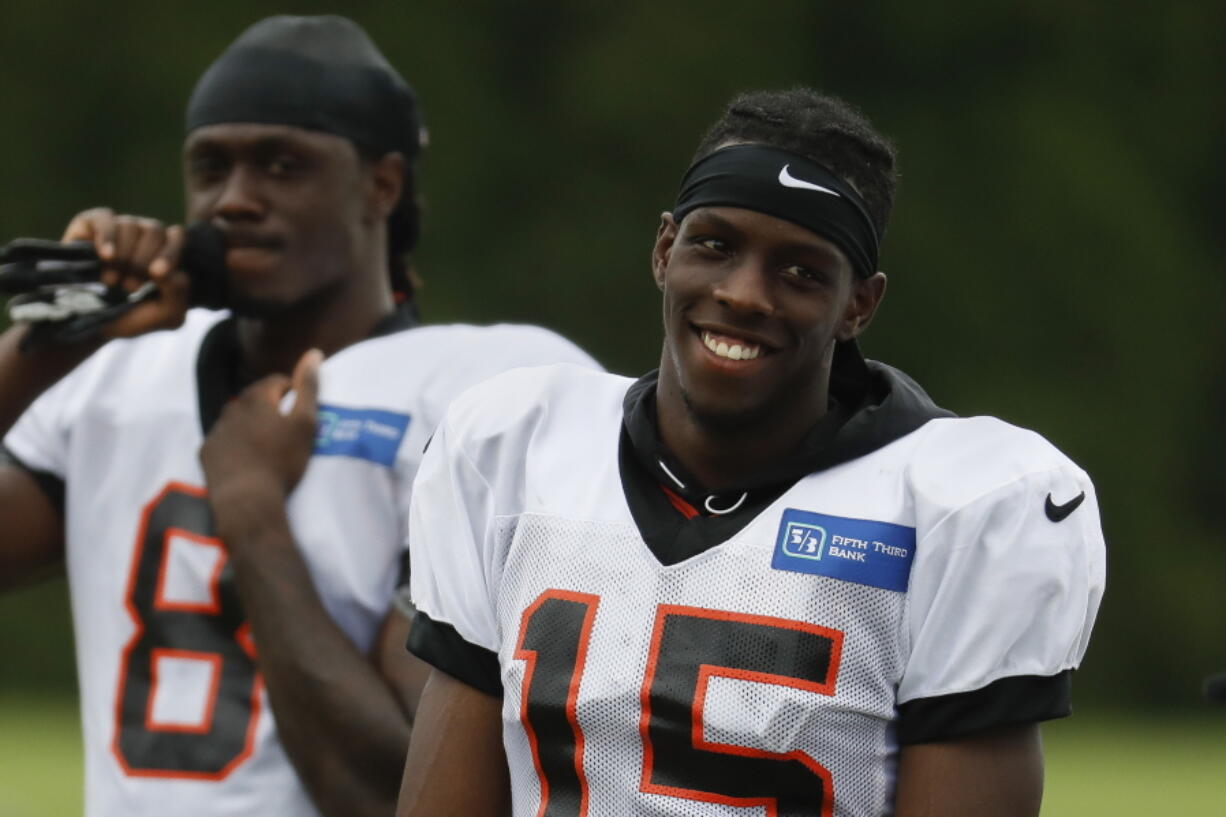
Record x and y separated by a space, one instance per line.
710 244
207 166
802 273
285 164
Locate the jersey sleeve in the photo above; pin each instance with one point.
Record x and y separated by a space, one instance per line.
452 533
39 441
534 346
1003 594
489 351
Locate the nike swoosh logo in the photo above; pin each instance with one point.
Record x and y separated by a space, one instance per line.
788 180
1058 513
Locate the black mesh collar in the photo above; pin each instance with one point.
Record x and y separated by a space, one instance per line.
219 369
872 405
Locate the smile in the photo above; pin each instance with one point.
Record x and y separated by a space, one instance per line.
730 348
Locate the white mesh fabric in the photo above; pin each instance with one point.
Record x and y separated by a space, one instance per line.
848 733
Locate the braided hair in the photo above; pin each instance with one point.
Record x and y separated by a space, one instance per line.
403 229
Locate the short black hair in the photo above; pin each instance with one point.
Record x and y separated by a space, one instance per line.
822 128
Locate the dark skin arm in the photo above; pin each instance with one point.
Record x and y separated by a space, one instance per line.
136 250
343 717
997 773
456 765
32 547
406 673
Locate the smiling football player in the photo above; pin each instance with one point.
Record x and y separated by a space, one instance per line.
769 578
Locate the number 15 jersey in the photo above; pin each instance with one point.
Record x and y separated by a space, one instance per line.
913 593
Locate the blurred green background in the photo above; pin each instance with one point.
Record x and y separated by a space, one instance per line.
1056 254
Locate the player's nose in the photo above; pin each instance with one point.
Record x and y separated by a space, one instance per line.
239 198
745 287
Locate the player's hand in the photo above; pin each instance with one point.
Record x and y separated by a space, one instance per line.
135 250
255 449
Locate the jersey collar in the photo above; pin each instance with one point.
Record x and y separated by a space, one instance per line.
871 405
219 369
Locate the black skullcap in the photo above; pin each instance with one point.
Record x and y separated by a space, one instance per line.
319 73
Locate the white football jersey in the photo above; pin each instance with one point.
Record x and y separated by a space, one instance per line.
773 673
175 716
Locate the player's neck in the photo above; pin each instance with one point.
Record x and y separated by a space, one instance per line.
329 323
728 455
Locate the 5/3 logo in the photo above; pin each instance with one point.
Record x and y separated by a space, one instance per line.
804 540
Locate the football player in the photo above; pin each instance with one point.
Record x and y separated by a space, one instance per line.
770 577
233 658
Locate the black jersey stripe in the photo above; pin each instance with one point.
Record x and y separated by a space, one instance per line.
1007 702
50 484
440 646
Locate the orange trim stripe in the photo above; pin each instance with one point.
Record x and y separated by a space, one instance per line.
242 635
686 509
697 737
572 699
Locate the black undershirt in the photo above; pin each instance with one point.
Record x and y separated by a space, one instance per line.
220 374
650 472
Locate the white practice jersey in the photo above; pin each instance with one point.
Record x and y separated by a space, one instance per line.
176 719
774 673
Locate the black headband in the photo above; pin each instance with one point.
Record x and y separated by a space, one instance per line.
318 73
782 184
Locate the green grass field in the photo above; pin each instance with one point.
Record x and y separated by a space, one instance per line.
1122 766
1113 766
40 757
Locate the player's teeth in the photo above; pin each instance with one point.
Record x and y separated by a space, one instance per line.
733 352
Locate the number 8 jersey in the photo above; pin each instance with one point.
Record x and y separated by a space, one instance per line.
175 715
918 589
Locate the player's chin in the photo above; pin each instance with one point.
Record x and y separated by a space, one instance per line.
251 305
726 411
261 296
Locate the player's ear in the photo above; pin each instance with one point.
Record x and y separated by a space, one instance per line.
866 295
386 181
666 234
